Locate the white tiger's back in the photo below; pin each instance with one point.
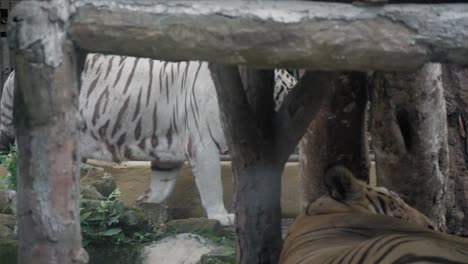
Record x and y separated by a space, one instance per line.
157 99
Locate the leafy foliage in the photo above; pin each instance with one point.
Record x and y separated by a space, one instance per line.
103 225
8 161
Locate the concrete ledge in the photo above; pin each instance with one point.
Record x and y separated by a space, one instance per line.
133 178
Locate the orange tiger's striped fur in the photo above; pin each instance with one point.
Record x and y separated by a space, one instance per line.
356 223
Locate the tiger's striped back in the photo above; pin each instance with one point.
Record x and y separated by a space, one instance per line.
356 223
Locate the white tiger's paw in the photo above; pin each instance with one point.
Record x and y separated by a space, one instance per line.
224 219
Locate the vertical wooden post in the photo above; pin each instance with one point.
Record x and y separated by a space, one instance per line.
409 132
47 134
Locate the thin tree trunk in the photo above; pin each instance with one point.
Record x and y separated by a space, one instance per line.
336 135
409 132
47 135
455 80
257 174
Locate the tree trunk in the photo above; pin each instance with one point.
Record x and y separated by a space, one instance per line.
455 80
47 135
336 135
409 132
257 200
260 142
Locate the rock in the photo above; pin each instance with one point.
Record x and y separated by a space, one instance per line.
90 192
90 205
219 255
183 248
104 184
201 226
7 226
135 220
85 169
7 202
156 214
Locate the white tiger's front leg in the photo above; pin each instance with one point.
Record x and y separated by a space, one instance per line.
163 179
206 169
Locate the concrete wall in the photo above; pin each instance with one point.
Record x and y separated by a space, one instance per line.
133 179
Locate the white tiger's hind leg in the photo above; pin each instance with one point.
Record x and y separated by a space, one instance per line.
206 169
162 183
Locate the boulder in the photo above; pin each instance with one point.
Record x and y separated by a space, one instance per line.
7 202
104 183
85 169
183 248
134 220
90 192
7 226
156 214
90 205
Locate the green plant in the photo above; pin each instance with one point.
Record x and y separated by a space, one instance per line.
8 161
103 224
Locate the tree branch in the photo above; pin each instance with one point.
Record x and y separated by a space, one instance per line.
236 112
300 107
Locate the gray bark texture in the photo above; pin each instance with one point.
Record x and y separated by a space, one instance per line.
409 133
273 34
260 142
337 135
47 135
455 80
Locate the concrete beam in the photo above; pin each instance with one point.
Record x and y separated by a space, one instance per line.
276 34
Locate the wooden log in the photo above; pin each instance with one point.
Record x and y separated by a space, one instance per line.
47 135
276 34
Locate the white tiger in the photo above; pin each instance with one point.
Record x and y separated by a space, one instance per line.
144 109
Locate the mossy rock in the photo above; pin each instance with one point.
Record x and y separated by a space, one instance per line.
90 192
135 219
156 214
8 249
7 226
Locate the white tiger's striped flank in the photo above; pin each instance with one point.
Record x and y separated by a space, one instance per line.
143 109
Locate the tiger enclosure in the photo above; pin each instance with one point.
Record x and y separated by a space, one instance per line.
370 92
